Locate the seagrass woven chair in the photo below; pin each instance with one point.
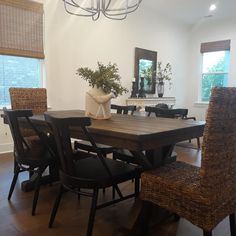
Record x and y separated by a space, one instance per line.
205 195
30 152
181 113
34 99
91 173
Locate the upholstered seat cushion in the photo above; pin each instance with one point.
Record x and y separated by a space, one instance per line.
94 173
177 188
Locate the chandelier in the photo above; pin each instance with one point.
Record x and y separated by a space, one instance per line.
112 9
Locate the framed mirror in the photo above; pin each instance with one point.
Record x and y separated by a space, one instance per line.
145 67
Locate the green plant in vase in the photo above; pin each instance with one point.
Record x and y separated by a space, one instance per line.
105 83
164 73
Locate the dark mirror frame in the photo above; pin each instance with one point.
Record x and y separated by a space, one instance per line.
145 54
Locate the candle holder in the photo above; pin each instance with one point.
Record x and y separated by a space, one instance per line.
133 92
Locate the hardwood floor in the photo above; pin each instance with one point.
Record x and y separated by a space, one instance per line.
16 219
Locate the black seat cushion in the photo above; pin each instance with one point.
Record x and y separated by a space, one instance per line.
93 169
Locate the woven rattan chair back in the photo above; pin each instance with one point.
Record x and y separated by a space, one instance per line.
218 167
34 99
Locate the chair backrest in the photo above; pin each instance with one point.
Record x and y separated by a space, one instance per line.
167 113
21 146
123 109
162 105
61 132
218 165
34 99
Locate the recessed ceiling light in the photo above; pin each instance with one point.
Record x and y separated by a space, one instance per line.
212 7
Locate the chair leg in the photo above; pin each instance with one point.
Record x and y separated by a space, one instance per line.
36 193
142 223
232 224
13 183
55 207
207 233
136 187
198 143
92 213
113 192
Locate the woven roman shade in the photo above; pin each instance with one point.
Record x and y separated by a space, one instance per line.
223 45
21 28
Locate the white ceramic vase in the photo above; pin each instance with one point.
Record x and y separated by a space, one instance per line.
98 104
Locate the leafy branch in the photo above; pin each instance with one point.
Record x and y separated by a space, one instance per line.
105 77
164 73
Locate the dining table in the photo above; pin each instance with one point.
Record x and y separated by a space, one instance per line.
149 139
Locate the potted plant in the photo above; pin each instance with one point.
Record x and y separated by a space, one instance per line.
163 74
105 83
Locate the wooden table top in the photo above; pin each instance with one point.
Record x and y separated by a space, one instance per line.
135 133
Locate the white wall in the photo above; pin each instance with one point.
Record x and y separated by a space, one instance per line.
73 42
207 31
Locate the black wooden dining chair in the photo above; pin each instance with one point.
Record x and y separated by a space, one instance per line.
181 113
30 152
125 110
91 173
105 149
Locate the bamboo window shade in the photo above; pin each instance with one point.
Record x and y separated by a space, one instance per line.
21 28
223 45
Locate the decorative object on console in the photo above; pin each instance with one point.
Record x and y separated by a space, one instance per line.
105 83
133 92
94 8
163 74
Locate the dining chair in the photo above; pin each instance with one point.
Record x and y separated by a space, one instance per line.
203 195
91 173
29 98
162 105
30 152
105 149
34 99
181 113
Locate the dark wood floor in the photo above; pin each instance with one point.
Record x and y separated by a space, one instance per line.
16 219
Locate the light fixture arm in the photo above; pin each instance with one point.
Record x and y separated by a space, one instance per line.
93 8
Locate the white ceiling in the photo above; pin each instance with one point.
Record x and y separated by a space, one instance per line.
193 11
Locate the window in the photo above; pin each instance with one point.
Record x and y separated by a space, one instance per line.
18 72
21 46
215 69
215 66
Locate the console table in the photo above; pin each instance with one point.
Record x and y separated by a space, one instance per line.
152 101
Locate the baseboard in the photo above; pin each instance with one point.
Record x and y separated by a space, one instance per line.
6 147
